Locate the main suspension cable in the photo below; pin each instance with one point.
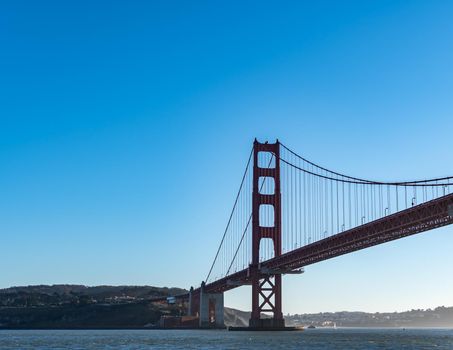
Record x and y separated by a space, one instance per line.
418 183
231 215
356 180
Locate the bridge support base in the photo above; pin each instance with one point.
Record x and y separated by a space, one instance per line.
267 323
194 303
211 310
267 329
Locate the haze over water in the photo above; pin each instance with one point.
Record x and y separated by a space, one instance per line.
356 339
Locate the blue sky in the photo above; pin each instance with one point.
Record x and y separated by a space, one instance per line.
125 127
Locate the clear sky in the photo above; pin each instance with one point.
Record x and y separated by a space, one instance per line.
125 126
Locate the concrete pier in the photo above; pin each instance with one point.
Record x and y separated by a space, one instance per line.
211 310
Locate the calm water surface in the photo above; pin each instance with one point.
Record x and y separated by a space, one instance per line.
153 339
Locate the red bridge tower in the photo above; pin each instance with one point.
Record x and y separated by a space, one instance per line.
266 285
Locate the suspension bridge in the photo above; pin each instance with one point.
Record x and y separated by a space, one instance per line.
290 212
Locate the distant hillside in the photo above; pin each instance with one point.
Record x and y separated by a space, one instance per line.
76 306
236 318
439 317
65 293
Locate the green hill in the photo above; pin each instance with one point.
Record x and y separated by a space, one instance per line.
76 306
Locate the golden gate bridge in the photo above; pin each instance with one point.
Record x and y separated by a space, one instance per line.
290 212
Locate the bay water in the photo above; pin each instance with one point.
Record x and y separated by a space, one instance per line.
313 339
